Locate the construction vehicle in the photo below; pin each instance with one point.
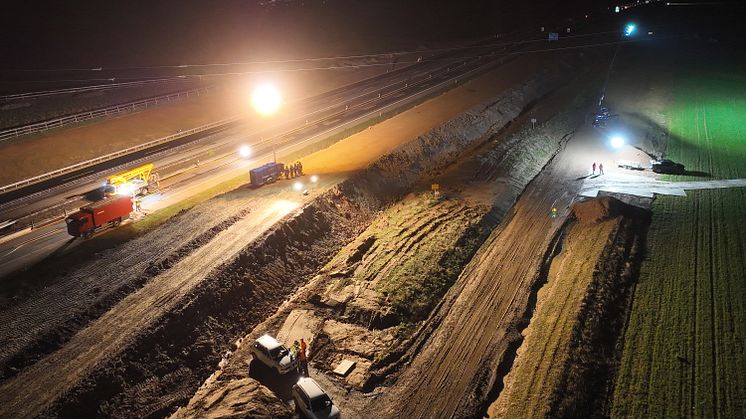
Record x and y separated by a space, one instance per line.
665 166
265 174
134 182
601 116
98 216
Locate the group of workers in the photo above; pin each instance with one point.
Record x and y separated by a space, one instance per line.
293 170
298 351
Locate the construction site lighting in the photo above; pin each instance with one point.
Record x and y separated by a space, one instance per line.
266 99
630 29
314 178
298 186
617 141
126 189
244 151
283 206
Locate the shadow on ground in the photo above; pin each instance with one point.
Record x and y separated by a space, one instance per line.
281 385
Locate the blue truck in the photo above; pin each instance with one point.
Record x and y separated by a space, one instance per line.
265 174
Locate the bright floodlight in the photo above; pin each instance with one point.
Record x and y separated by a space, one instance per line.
266 99
617 141
244 151
126 189
630 29
314 178
297 186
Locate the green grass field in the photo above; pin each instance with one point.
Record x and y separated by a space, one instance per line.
685 345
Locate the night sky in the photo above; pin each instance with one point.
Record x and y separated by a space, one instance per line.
105 33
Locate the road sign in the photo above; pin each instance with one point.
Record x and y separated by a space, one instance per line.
553 36
435 187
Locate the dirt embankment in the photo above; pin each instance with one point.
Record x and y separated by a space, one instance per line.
170 359
565 364
381 184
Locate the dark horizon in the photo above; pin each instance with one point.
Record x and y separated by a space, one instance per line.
90 34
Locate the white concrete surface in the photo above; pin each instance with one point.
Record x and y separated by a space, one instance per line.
646 186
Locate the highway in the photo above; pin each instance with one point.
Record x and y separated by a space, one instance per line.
196 162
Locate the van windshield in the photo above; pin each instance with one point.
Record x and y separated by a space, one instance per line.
321 403
278 352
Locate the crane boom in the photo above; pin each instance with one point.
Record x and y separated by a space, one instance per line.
142 173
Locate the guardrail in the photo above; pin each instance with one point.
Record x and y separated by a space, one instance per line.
98 113
111 156
82 89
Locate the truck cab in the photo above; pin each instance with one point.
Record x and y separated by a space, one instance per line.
79 223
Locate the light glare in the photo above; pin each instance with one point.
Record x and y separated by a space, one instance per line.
244 151
617 142
126 189
266 99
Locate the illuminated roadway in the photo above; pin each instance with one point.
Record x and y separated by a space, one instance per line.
183 164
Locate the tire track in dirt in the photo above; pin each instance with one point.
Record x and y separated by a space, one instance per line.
32 391
693 383
51 308
54 339
711 274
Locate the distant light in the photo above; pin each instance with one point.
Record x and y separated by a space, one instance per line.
630 29
617 141
297 186
314 178
244 151
617 9
266 99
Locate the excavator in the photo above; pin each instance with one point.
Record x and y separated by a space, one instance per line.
138 181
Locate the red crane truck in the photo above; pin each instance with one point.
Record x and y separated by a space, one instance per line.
98 216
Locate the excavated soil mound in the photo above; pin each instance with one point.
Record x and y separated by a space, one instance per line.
597 209
244 398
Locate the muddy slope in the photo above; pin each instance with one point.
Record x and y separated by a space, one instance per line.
165 364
